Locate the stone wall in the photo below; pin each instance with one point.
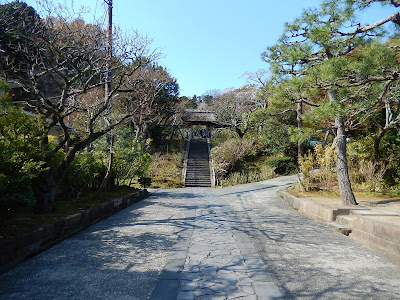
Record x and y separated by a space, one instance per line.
15 250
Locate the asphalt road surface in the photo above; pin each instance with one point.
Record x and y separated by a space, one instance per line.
123 256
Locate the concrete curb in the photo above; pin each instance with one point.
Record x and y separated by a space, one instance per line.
377 230
317 212
18 249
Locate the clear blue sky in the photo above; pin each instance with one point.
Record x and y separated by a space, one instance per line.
209 44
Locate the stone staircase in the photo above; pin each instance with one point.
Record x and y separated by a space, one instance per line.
379 230
198 165
376 228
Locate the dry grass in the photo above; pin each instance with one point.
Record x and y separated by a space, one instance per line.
360 195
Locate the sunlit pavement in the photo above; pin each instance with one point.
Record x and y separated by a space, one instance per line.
201 243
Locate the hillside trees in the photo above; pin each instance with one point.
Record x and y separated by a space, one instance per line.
61 66
322 46
234 108
150 95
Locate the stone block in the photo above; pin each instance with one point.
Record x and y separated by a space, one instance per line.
166 289
386 247
73 220
15 250
267 290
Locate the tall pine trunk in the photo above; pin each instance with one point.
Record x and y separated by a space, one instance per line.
345 189
300 144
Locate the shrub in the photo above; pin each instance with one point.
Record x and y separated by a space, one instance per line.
243 177
282 165
373 173
145 181
85 173
16 192
229 153
21 156
131 158
318 168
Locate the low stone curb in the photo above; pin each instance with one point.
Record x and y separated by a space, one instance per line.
310 209
379 235
18 249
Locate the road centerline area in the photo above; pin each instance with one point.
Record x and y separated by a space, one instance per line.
241 242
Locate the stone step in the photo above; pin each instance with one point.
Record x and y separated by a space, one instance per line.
339 227
193 166
345 220
198 181
198 165
348 210
200 184
366 212
198 173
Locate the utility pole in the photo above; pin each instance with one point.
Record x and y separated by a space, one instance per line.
109 54
107 95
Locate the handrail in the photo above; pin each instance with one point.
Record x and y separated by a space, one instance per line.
185 160
210 161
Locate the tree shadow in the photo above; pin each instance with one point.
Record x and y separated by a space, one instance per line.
124 256
120 257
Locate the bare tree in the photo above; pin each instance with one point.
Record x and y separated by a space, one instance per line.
234 108
150 95
61 65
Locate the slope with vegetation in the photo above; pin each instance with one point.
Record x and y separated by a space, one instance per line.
332 81
61 133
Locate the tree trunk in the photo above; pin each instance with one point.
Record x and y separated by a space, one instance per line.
377 141
345 189
239 132
44 188
109 170
300 145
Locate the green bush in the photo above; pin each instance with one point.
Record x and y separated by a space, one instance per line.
16 192
131 158
282 165
85 173
21 155
145 181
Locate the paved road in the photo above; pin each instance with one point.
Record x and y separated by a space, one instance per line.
306 259
236 243
118 258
